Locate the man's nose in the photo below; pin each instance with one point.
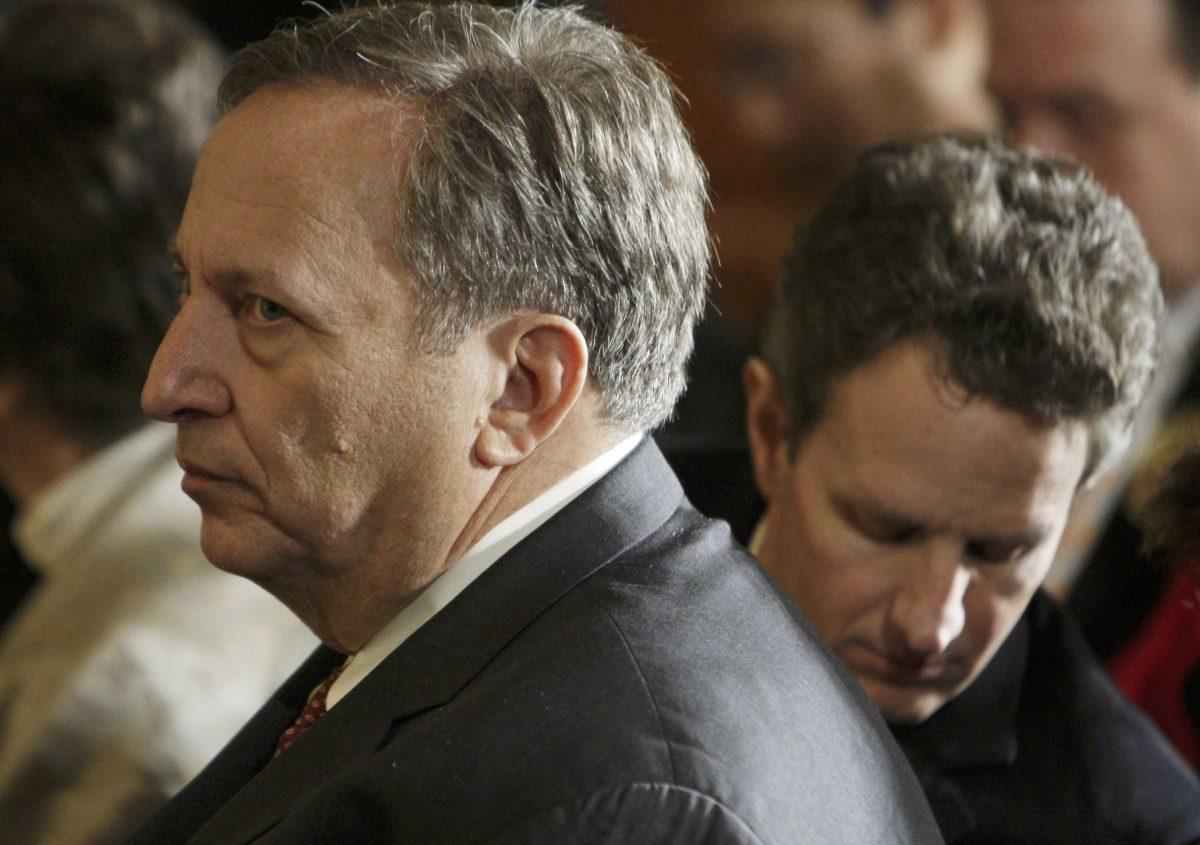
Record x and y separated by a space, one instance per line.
927 612
185 379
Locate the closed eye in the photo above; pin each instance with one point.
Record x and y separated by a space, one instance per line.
998 551
877 524
887 531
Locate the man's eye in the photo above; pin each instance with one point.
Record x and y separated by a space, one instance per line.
268 310
886 532
882 529
183 284
998 552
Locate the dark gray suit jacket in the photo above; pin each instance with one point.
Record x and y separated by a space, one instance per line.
625 674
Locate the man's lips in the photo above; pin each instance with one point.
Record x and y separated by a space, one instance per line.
904 669
197 475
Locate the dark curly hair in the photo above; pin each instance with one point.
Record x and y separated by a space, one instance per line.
105 104
1033 284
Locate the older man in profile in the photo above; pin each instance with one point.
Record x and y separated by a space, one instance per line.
107 669
964 333
441 265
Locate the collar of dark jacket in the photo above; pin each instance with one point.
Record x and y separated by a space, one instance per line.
976 729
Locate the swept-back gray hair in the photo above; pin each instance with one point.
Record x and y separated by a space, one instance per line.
1033 284
551 173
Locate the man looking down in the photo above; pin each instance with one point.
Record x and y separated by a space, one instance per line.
962 337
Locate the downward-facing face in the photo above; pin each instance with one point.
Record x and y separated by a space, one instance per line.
914 525
315 436
1102 81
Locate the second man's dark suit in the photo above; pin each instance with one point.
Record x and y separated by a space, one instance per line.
1042 750
625 674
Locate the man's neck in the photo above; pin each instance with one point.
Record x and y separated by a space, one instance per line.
348 614
518 485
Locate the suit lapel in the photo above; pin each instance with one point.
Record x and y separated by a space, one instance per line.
442 657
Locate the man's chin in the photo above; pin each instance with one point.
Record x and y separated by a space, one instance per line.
906 705
221 554
232 550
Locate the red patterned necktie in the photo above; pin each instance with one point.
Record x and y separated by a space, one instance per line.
313 710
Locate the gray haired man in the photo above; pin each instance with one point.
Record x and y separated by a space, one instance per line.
964 333
441 265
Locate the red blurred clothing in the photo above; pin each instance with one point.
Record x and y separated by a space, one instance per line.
1159 666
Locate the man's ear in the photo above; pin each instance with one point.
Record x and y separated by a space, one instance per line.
543 367
767 425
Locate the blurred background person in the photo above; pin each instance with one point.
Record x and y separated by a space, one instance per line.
783 95
134 660
236 23
1159 669
1115 85
16 578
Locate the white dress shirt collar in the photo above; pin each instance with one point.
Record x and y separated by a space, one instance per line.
490 548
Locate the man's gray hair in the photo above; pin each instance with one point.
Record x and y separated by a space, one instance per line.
551 173
1032 283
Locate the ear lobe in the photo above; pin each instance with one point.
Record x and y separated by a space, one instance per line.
767 426
545 370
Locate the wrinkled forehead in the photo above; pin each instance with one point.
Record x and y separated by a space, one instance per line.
899 424
315 144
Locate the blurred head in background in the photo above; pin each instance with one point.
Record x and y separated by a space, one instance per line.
105 104
808 85
786 93
1114 84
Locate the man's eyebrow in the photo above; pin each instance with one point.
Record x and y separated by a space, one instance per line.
867 505
236 278
232 278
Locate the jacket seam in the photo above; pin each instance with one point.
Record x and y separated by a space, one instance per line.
711 800
662 733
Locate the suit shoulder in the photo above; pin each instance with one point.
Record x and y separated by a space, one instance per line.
749 703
